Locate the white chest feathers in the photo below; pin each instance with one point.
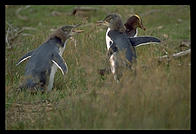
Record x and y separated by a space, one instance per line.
136 33
61 50
108 39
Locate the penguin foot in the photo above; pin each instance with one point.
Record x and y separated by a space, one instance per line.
102 72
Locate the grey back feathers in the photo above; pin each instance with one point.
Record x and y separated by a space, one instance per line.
122 42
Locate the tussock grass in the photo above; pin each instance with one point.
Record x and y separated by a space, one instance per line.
157 97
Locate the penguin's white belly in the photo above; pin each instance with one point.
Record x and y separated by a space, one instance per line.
54 69
113 63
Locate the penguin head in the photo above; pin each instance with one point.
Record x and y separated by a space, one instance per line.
133 22
111 18
65 32
114 22
70 30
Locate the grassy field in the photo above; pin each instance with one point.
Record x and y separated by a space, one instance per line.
158 97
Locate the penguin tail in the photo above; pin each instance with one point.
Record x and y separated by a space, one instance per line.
28 84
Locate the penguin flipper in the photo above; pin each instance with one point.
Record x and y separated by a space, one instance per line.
26 56
60 63
143 40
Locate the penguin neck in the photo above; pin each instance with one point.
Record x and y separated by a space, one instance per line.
61 49
132 32
117 25
58 41
120 29
61 45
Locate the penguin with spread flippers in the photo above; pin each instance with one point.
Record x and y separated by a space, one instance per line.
44 61
118 42
118 39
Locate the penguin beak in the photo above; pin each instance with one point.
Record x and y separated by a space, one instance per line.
77 31
74 30
140 25
100 22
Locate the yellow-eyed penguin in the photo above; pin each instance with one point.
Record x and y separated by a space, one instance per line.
44 60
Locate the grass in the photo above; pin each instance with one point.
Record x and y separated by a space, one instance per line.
158 97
